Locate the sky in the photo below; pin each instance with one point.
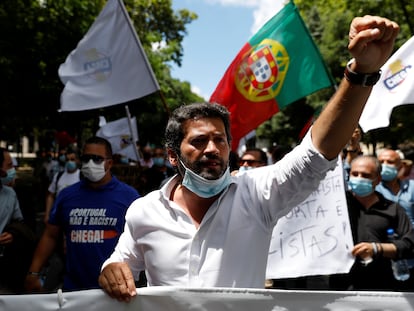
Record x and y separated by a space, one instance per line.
215 38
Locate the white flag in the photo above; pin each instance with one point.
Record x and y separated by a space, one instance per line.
395 88
108 66
119 135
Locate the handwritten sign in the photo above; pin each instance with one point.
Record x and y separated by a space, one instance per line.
315 237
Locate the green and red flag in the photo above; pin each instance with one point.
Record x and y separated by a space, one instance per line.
277 66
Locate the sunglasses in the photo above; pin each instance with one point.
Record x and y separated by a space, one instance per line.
97 159
249 161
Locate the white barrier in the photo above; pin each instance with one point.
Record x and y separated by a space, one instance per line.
212 299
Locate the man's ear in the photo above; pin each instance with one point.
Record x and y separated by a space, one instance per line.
172 157
376 181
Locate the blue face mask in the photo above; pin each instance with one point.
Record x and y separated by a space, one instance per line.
11 174
245 168
62 158
388 172
362 187
205 188
124 160
158 161
71 166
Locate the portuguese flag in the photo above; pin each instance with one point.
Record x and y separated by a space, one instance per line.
277 66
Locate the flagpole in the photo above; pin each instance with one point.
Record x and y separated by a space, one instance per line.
138 42
132 132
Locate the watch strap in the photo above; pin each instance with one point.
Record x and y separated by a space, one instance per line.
363 79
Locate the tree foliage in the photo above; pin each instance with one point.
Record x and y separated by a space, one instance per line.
37 35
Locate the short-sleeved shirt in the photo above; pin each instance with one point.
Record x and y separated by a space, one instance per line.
65 179
9 207
230 247
92 221
404 197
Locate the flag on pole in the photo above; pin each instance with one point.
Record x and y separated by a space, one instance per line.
277 66
119 135
395 88
109 65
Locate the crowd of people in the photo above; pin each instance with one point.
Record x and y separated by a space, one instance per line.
202 216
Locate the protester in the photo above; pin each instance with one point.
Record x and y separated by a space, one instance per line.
206 229
16 239
63 179
370 216
391 186
146 160
252 158
91 214
158 173
395 189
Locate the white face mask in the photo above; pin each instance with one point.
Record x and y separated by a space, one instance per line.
92 171
205 188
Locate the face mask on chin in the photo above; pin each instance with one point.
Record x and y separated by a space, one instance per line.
205 188
92 171
11 174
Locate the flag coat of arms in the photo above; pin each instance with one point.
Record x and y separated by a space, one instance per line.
277 66
394 88
109 65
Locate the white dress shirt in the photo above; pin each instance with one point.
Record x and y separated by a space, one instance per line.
230 247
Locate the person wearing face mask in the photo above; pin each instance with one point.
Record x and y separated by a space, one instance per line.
206 228
392 187
14 247
398 190
69 159
63 179
91 216
158 173
251 158
370 216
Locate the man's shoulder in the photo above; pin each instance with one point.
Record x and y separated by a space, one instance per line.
7 191
123 187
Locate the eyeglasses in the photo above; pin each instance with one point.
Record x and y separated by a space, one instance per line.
249 162
97 159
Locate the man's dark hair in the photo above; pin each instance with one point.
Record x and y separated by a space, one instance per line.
373 159
174 133
101 141
262 154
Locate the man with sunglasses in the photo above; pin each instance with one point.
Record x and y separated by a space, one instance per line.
91 215
205 228
252 158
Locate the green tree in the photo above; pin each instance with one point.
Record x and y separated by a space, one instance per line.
36 37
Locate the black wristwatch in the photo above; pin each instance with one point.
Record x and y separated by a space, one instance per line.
363 79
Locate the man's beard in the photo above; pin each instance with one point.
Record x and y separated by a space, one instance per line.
199 167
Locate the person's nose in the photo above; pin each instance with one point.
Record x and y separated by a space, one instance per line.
211 147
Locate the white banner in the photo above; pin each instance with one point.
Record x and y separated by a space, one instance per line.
109 65
315 237
213 299
395 88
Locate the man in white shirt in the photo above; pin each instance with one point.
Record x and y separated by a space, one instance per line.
205 228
